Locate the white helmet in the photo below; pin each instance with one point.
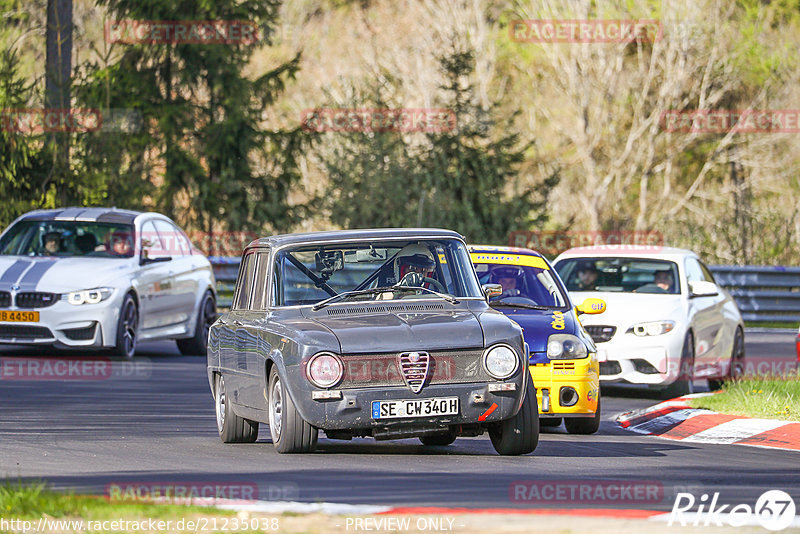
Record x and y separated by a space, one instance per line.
414 257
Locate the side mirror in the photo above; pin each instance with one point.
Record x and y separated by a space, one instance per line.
702 288
492 290
591 306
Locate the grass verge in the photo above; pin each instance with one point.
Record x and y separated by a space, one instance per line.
35 500
765 398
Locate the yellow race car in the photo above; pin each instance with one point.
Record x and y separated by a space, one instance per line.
563 358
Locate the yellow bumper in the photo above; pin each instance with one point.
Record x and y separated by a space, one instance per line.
580 375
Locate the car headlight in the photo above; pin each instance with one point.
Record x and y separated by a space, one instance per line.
89 296
500 361
566 347
654 328
325 370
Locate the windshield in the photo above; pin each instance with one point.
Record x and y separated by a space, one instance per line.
312 274
625 275
527 282
67 239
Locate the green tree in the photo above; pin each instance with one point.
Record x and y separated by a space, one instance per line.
202 140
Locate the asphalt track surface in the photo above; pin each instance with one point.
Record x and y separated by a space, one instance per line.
151 423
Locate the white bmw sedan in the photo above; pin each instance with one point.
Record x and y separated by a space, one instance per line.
667 322
95 278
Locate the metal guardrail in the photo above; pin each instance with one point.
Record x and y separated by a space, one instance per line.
763 294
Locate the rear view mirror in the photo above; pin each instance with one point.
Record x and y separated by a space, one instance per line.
702 288
591 306
329 261
492 290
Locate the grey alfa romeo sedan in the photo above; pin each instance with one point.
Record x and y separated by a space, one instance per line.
383 333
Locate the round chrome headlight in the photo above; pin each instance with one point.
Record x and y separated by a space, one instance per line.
325 370
500 361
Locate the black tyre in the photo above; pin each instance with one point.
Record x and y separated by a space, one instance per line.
127 328
439 440
736 370
231 427
206 315
584 425
290 433
520 433
550 421
683 385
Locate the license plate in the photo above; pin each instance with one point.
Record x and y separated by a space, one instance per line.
7 316
415 408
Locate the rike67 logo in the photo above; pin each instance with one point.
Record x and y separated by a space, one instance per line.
774 510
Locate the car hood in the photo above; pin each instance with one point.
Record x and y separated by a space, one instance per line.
537 325
623 310
58 275
361 332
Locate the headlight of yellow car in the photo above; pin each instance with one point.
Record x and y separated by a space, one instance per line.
566 347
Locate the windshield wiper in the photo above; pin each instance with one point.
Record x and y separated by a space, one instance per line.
519 305
345 294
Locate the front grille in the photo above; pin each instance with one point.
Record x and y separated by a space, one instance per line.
610 368
8 331
414 368
5 299
600 333
564 366
36 299
445 367
80 334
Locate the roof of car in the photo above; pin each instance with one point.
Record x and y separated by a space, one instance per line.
502 249
347 235
635 251
106 215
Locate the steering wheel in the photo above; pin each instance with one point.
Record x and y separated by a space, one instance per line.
416 280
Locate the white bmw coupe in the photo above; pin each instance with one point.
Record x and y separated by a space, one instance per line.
667 322
94 278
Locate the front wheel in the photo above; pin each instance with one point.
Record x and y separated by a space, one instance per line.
736 370
231 427
584 425
127 327
683 385
519 434
290 433
206 315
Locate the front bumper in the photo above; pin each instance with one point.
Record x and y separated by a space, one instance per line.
650 360
552 380
353 412
64 325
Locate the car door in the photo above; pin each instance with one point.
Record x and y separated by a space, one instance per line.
254 346
184 280
707 320
234 338
154 282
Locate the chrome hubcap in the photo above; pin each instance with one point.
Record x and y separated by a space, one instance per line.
220 404
276 410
